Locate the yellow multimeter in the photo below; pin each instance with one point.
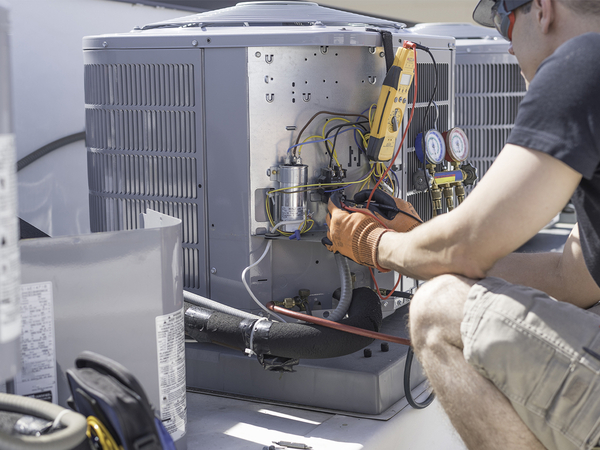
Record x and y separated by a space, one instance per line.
391 105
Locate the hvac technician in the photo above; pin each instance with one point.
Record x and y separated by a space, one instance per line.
513 367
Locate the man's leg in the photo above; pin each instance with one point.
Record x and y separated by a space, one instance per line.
481 414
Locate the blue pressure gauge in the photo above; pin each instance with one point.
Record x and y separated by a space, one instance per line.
432 148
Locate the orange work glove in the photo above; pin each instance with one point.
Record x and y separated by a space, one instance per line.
355 235
395 213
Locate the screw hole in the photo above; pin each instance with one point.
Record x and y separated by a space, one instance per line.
317 262
199 186
293 100
293 84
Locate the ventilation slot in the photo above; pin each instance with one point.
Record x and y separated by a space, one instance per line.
141 130
426 78
487 101
154 176
139 84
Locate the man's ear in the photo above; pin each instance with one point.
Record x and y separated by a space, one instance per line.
545 13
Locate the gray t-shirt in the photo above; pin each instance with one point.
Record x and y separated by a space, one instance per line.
560 115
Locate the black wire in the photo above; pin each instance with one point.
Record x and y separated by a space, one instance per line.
424 163
407 391
338 129
37 154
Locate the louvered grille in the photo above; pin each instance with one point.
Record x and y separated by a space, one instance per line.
155 176
487 100
141 139
139 84
426 80
141 130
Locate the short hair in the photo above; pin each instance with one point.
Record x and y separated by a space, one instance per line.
526 8
583 6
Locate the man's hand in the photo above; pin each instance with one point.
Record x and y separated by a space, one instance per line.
395 213
355 236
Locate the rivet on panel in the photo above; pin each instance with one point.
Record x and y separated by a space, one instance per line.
213 270
257 54
105 44
194 42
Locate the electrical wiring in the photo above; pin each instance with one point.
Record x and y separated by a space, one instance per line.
313 186
325 112
97 430
316 142
431 100
267 248
338 129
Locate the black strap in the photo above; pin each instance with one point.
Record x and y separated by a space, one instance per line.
388 48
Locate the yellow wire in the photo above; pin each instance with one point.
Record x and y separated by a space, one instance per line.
304 141
106 440
374 105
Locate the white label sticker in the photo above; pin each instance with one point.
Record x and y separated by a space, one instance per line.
292 213
10 319
170 341
37 377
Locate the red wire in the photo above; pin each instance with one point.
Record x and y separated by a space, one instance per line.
338 326
414 47
391 164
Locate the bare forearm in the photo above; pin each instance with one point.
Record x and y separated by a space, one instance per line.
536 270
426 252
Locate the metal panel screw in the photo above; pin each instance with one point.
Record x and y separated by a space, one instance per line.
381 54
194 42
105 44
367 352
213 270
257 54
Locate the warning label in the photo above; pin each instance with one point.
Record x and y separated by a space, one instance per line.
170 340
38 348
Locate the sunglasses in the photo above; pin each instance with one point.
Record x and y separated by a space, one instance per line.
504 17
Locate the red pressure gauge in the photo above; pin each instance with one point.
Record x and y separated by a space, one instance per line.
457 145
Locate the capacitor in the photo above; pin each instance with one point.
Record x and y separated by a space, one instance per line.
291 203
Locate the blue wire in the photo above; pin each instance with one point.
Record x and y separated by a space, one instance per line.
319 140
396 177
334 190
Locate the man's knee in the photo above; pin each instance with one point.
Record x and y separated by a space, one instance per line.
436 310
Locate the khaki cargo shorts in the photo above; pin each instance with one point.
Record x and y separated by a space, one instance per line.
531 347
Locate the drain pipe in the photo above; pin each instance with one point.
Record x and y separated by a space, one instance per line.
289 340
203 302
